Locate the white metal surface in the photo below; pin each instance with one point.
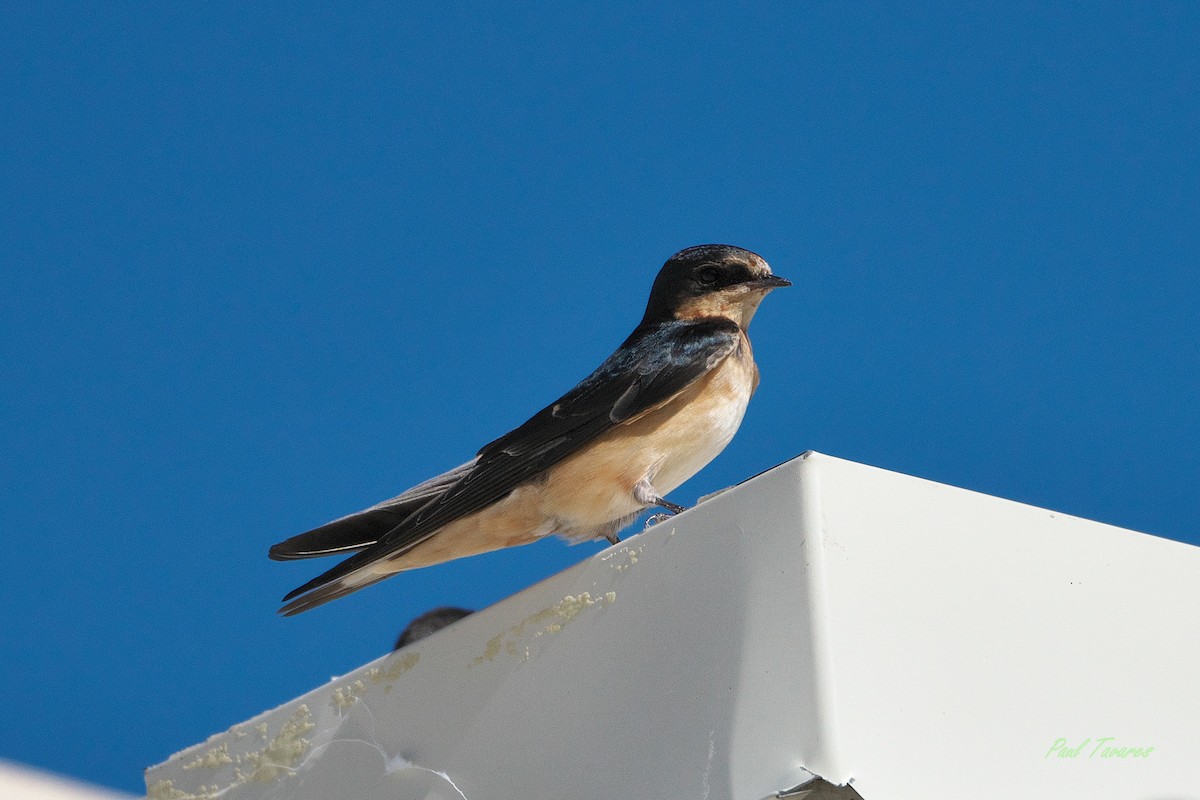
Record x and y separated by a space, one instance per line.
19 782
824 618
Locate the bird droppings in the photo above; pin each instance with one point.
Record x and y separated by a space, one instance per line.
214 758
281 754
623 559
396 667
165 790
548 621
348 695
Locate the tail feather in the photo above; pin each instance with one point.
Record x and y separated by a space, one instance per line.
355 532
359 530
364 528
321 595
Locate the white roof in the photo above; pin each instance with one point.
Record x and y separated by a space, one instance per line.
825 618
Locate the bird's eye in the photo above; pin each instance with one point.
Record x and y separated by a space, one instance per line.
709 275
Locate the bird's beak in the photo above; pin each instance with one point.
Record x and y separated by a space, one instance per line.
770 282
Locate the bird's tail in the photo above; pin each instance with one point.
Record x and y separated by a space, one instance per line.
352 533
304 598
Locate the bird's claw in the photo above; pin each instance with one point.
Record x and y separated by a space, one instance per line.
654 519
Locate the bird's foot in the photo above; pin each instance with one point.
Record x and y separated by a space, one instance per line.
654 519
645 493
674 508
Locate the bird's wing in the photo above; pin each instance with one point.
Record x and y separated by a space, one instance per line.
648 370
364 528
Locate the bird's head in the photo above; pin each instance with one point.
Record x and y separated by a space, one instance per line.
711 280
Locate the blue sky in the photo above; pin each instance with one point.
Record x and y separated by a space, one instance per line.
266 266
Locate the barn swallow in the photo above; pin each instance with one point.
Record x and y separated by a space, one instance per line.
650 417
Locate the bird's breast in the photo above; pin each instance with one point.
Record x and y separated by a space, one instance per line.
698 428
666 445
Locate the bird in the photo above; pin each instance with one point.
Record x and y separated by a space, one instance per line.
652 415
430 623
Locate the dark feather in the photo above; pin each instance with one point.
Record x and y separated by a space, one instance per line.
364 528
320 595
